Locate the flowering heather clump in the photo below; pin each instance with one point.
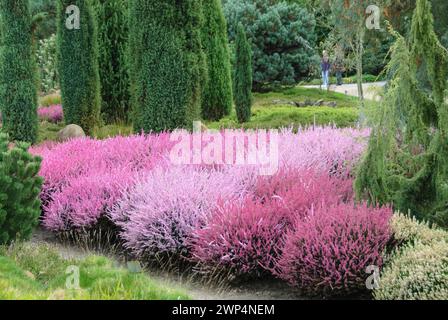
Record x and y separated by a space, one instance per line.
85 200
245 239
52 114
241 238
329 250
324 149
160 214
69 167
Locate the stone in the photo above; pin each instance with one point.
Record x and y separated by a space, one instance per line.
71 131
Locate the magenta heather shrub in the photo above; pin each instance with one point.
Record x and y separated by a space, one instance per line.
245 239
329 250
52 114
159 215
300 189
241 238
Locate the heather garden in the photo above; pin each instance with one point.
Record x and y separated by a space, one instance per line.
148 148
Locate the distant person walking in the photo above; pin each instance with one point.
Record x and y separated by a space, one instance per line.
326 66
338 67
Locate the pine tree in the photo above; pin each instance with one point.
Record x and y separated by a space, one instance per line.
217 92
167 63
242 83
78 65
18 91
112 18
406 163
20 187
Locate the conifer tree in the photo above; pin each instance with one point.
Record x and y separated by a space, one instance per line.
78 63
217 92
167 63
407 160
18 90
112 18
20 186
242 76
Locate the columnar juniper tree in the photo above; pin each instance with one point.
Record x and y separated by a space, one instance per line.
217 92
242 82
78 63
18 91
406 163
112 18
167 63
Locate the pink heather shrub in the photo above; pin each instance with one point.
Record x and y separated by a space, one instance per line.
328 251
160 214
241 238
52 114
86 163
324 149
85 200
245 239
300 189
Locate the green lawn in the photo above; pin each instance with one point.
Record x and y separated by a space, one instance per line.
37 272
267 114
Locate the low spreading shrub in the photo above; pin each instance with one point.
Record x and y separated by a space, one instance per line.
417 268
329 250
408 230
416 272
52 114
161 213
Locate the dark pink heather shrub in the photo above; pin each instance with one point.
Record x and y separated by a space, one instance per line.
328 251
245 239
159 215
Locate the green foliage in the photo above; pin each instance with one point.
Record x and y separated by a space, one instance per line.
18 94
167 63
217 93
242 78
282 36
47 9
78 66
406 163
19 191
46 60
50 100
112 18
39 272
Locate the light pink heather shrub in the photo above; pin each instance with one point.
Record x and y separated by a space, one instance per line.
245 239
159 215
324 149
328 251
52 114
